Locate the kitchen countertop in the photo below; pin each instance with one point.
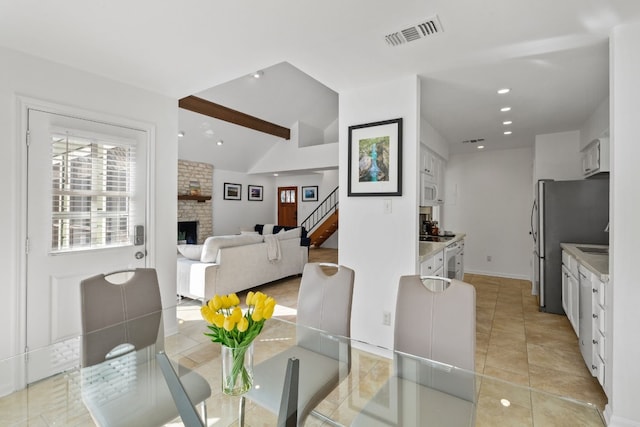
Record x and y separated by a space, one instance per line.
429 249
596 263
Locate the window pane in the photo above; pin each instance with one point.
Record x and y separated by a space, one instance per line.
91 193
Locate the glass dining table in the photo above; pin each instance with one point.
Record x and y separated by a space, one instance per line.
380 387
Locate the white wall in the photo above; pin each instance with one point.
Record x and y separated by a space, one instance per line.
286 156
557 156
36 78
488 196
624 288
597 125
433 139
231 215
380 246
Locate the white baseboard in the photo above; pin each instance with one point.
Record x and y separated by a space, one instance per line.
498 274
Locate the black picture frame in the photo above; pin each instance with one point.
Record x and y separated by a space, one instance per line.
254 193
232 191
375 159
310 193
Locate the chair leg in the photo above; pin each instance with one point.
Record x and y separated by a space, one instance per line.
288 416
203 412
325 419
241 411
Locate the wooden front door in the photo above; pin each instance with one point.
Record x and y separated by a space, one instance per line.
288 206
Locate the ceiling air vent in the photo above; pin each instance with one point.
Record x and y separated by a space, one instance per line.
429 27
472 141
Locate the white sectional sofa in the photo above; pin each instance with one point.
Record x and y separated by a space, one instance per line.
226 264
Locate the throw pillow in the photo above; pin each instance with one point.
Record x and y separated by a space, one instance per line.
267 229
294 233
191 251
215 243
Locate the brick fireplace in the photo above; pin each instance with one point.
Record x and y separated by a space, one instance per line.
199 212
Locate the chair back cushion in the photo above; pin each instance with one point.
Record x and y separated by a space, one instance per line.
436 325
115 314
324 301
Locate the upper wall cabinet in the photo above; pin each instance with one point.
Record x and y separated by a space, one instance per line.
595 157
432 169
429 162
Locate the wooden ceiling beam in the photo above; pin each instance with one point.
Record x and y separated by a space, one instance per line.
217 111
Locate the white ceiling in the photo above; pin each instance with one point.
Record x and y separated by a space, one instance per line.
183 48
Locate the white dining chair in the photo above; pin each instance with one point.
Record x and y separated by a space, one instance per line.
324 303
122 381
433 383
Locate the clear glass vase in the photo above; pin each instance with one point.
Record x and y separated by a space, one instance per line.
237 369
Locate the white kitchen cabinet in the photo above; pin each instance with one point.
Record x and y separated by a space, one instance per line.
429 162
432 169
571 290
599 329
595 157
593 326
433 266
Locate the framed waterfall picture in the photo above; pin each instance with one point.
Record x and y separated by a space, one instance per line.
375 159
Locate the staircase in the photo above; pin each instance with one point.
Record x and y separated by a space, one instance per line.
323 221
324 230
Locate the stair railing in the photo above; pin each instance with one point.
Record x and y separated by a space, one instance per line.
327 207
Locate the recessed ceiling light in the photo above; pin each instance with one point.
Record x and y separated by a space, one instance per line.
505 109
508 132
258 74
220 142
480 147
275 174
504 90
181 134
507 122
505 403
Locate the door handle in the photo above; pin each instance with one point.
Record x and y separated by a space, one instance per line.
138 239
139 255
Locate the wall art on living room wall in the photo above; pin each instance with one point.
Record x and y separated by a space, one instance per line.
255 193
375 159
232 191
310 193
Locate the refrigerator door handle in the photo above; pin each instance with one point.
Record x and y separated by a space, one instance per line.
540 237
542 284
533 229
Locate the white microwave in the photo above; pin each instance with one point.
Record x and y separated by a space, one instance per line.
429 194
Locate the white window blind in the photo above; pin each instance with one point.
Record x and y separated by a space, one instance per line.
92 193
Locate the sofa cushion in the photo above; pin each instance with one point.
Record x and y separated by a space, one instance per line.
191 251
214 243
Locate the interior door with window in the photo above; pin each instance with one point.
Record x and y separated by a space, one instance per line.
86 214
288 206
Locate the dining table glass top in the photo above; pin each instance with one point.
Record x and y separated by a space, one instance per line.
56 385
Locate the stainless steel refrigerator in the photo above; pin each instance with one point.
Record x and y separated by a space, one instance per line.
565 212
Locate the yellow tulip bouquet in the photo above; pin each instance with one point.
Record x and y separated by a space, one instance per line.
236 330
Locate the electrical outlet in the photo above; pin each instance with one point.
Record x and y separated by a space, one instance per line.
488 258
386 318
